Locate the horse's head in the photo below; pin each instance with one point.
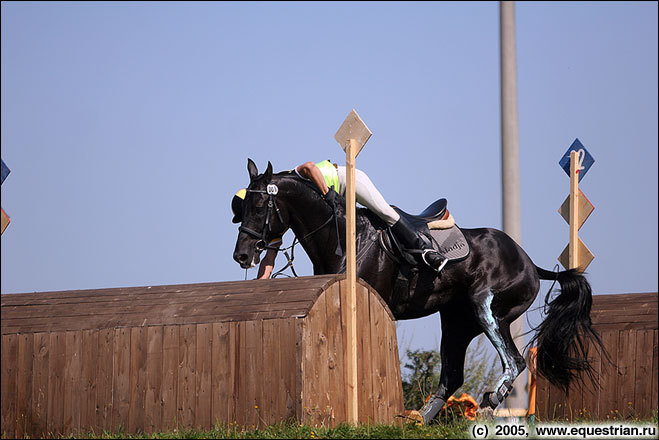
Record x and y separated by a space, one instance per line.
262 220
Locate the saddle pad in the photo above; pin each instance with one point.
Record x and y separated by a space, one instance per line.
452 243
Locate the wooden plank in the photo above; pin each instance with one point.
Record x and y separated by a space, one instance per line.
234 371
104 379
262 373
203 372
41 373
170 378
626 371
608 400
335 353
99 321
272 368
299 378
291 363
629 298
309 375
162 304
392 380
609 309
542 399
242 399
266 288
121 379
591 390
24 385
138 350
56 364
221 385
9 386
320 357
574 403
88 360
187 378
250 371
655 371
72 385
364 358
621 316
379 363
556 406
640 325
154 379
625 306
643 366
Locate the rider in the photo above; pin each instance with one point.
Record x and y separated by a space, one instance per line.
331 180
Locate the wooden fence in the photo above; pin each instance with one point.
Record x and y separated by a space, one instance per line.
627 387
158 358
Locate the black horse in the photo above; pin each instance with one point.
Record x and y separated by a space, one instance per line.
485 292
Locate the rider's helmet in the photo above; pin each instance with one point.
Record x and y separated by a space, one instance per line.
237 205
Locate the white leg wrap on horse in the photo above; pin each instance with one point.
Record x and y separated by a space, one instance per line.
367 195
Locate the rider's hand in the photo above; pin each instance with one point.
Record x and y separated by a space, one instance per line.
331 197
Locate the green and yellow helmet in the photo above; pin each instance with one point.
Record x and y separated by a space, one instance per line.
237 205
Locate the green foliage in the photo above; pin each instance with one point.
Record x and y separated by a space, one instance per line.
423 370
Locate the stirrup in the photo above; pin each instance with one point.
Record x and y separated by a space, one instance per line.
441 266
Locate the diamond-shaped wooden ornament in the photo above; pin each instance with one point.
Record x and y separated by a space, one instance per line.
585 208
583 254
5 221
353 128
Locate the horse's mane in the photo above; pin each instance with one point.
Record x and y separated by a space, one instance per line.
361 211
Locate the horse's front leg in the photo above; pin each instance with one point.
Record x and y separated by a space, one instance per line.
458 329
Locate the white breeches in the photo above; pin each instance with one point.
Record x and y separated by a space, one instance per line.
367 195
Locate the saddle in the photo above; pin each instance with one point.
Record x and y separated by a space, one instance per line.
437 229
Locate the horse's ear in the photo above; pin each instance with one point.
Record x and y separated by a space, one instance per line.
268 171
251 169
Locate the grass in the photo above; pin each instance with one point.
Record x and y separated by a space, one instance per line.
450 426
455 428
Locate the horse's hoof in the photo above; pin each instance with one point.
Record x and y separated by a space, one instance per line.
489 401
413 416
485 414
431 408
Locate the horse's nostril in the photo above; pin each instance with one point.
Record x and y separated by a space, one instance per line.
241 258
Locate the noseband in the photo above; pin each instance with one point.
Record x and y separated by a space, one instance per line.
271 190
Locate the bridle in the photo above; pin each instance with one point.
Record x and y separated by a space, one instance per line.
271 190
262 244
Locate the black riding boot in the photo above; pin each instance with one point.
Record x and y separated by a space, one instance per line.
423 252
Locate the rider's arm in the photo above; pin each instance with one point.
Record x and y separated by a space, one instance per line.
268 262
311 172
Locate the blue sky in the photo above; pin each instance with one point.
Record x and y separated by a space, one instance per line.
127 127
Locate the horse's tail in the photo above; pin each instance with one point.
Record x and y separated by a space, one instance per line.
564 334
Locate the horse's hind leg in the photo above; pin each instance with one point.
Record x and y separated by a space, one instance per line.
459 327
498 332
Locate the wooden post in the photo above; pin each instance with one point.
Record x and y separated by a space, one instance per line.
351 275
573 256
576 208
352 135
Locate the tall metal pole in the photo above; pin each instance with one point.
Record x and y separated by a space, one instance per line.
512 224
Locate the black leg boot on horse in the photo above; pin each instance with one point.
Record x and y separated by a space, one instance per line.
412 242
